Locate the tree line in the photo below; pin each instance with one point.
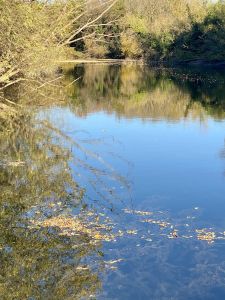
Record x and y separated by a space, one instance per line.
171 30
36 35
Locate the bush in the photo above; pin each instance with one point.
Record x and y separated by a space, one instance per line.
204 40
130 45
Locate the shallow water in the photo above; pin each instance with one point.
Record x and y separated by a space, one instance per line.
144 151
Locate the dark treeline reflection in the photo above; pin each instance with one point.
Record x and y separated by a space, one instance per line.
137 91
37 262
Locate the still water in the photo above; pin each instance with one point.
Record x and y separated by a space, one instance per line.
119 191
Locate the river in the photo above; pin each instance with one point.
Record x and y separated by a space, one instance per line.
118 192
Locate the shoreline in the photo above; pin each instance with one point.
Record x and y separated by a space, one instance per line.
191 63
103 61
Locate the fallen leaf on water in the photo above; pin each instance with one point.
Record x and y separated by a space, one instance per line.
173 235
112 262
138 212
82 268
132 232
205 235
160 223
148 240
71 226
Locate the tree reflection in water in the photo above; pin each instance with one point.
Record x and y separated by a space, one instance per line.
135 91
41 262
52 243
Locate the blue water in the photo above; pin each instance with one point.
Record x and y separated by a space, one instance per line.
159 142
172 166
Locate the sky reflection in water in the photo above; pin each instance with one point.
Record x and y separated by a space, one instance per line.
153 170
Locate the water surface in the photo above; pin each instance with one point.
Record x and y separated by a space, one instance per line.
139 150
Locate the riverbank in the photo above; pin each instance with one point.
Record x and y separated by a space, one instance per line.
187 63
103 61
155 63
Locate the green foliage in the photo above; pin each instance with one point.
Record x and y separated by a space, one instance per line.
180 30
163 30
130 45
204 40
137 24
